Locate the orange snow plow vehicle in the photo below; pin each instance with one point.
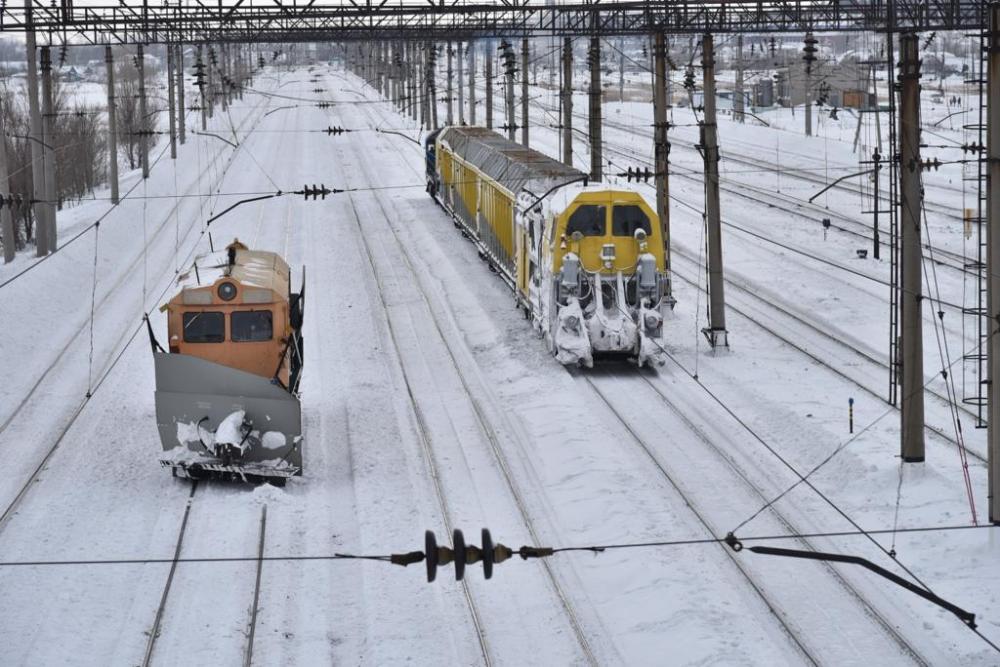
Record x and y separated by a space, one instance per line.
227 400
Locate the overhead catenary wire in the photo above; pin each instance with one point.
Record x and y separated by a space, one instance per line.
592 548
837 450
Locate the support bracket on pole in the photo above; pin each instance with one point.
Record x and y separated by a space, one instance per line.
966 617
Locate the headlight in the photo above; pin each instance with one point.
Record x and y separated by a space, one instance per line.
227 291
652 321
571 323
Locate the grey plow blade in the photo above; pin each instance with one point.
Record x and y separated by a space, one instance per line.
193 396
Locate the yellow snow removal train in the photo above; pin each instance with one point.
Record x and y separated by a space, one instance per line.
586 262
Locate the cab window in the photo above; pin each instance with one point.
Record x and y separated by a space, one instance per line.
588 219
251 325
626 219
204 327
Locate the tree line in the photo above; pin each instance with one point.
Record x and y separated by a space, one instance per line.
79 138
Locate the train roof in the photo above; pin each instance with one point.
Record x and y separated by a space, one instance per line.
512 165
252 268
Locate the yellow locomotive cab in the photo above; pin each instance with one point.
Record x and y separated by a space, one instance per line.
586 262
599 219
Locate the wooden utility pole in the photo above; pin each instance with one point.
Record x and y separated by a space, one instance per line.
432 82
449 85
225 76
911 253
6 212
472 83
993 260
810 58
488 62
595 133
567 101
35 138
181 111
140 63
738 99
461 84
510 66
524 92
661 147
211 76
48 149
414 81
109 63
171 103
411 100
716 331
621 71
420 55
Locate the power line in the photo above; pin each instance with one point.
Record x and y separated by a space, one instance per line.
593 548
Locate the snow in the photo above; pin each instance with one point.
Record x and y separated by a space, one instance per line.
274 440
422 376
230 430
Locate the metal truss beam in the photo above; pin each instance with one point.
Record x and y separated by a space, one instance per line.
278 21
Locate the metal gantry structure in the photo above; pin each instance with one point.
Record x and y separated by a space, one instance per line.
396 48
348 20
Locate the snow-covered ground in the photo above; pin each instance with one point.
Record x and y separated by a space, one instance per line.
430 404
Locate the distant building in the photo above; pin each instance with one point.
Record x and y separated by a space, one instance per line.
70 75
838 84
763 93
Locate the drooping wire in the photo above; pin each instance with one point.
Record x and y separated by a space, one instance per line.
145 245
949 380
895 516
93 298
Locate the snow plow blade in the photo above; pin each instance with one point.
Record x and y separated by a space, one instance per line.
209 468
194 397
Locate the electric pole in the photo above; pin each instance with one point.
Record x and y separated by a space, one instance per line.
661 147
596 159
911 253
993 259
567 101
716 331
524 92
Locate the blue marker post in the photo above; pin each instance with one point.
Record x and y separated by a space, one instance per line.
850 414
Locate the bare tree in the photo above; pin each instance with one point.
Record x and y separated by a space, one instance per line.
132 129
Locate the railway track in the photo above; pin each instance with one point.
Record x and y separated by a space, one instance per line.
790 631
255 607
767 324
851 591
954 261
483 421
156 628
710 530
941 256
776 200
868 357
491 435
702 439
124 337
423 435
154 631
